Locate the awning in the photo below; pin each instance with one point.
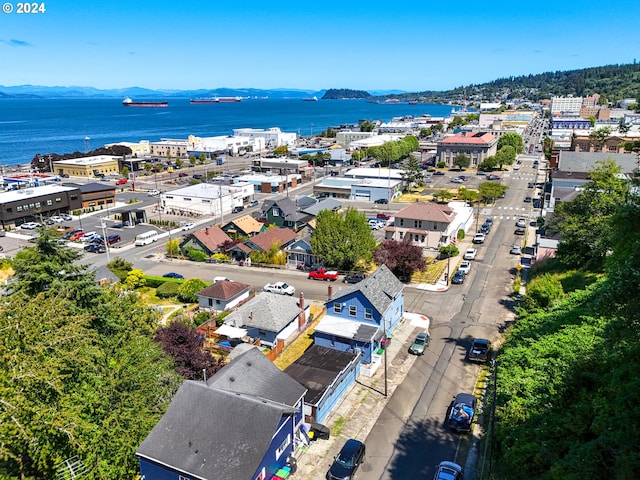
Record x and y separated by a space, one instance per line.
231 332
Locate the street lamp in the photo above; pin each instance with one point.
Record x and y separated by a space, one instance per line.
104 236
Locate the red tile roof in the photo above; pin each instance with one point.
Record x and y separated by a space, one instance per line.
469 138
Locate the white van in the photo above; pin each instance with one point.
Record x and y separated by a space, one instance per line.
146 238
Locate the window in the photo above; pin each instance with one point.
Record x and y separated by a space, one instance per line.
368 314
58 199
435 226
353 310
186 199
211 302
49 202
337 308
283 446
402 222
275 212
418 223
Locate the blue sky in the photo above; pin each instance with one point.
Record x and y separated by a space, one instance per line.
406 45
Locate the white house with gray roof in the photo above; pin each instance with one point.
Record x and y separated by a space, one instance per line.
270 317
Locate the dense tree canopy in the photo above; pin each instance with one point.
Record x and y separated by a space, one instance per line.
512 139
402 258
80 375
342 241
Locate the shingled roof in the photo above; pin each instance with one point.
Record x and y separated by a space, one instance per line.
211 237
225 290
380 288
223 429
428 211
264 241
267 311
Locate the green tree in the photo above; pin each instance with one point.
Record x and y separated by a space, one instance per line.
281 151
461 161
148 167
600 135
513 139
367 126
505 156
584 222
193 160
443 196
411 172
188 289
342 241
125 172
120 267
202 158
135 279
489 191
179 162
172 247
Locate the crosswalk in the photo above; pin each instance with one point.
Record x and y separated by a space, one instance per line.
508 213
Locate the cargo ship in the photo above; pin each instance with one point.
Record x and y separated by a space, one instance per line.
310 99
229 99
127 102
203 101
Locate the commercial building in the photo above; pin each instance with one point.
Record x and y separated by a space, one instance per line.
88 167
566 106
273 137
34 204
206 199
477 146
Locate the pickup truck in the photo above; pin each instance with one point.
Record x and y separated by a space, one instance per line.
322 274
479 351
462 412
279 287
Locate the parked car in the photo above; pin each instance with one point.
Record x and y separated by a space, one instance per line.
383 216
77 235
456 180
70 233
521 222
519 231
322 274
420 343
66 217
489 220
458 278
114 238
346 463
30 225
485 228
198 176
462 412
121 181
448 471
57 219
88 237
280 287
465 267
438 172
173 275
515 250
470 254
253 203
479 351
353 278
493 177
527 199
186 225
237 209
382 200
183 174
95 248
478 238
153 193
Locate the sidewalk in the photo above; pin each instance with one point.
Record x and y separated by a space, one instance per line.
359 409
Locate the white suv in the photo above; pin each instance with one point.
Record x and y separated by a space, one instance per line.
478 238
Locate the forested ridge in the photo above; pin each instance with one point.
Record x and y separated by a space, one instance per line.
614 82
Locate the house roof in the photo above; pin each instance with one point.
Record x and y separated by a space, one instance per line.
211 237
264 241
247 224
288 209
205 432
267 311
380 288
346 328
222 429
326 204
428 211
225 290
252 373
469 138
317 369
92 187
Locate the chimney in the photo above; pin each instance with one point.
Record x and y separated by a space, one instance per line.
329 292
206 231
302 318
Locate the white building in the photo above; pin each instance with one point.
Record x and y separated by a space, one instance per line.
566 106
273 137
207 199
346 137
375 141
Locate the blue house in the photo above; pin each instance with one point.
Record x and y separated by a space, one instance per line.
362 315
243 423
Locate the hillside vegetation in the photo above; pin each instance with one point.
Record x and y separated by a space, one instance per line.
567 397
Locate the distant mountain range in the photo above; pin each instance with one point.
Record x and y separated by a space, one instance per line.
37 91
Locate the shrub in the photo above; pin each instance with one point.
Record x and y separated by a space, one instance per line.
220 318
167 290
195 255
460 234
201 317
441 164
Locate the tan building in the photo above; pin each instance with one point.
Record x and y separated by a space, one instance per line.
612 144
428 225
478 146
88 167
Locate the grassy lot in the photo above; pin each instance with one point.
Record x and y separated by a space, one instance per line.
300 345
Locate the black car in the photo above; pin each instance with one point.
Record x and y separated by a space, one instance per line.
347 461
527 199
382 200
438 172
458 278
198 176
95 248
173 275
353 278
485 228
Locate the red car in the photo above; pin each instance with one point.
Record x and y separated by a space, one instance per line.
121 181
322 274
383 216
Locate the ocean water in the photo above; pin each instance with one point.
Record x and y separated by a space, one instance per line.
42 126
